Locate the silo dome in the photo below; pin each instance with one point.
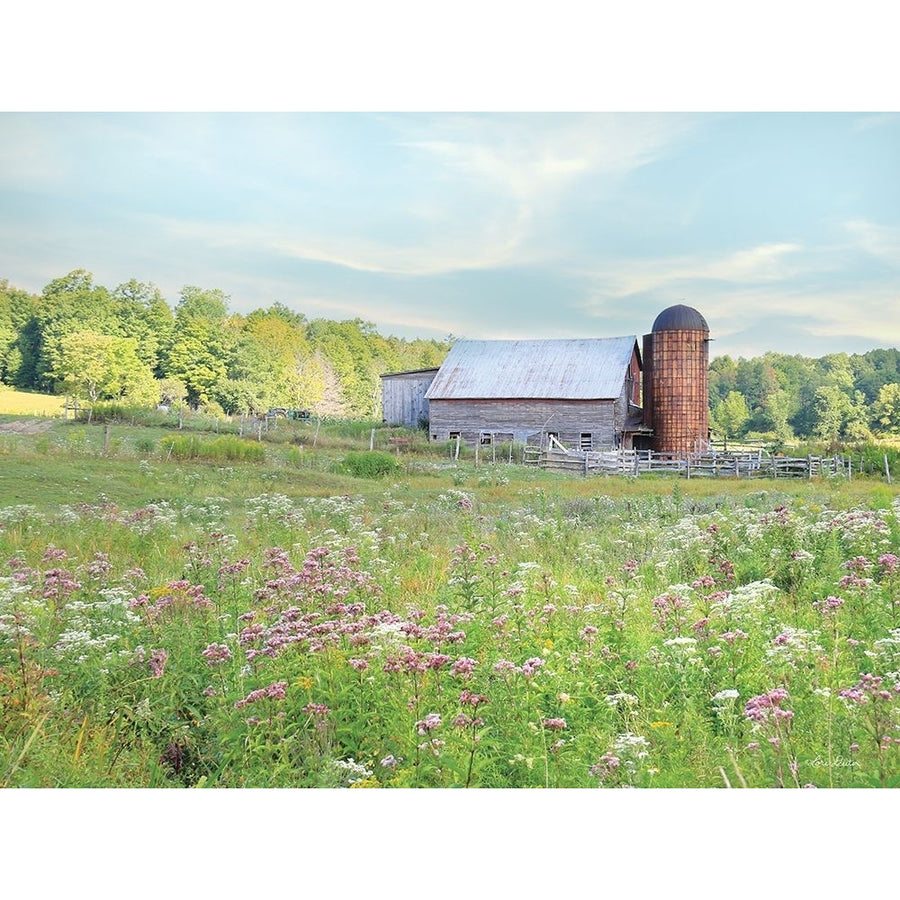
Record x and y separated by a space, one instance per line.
680 318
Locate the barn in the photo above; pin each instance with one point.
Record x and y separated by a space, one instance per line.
584 392
587 393
403 400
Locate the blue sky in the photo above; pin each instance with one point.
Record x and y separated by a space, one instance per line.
783 229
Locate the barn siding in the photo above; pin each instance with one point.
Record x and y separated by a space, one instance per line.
569 419
403 400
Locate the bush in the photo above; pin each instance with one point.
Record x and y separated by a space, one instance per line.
369 464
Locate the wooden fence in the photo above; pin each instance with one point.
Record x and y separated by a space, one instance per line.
712 464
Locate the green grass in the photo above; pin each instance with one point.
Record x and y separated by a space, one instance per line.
441 626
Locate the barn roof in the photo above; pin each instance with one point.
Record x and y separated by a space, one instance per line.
410 372
576 369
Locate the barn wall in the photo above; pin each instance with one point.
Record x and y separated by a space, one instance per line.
569 419
403 399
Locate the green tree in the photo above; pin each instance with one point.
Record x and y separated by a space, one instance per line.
172 392
196 303
96 367
731 415
16 310
886 412
840 417
142 313
198 358
67 305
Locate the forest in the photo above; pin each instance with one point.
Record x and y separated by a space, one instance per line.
129 344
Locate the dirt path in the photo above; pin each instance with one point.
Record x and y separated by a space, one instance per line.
20 427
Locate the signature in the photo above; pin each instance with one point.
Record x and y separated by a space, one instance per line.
836 762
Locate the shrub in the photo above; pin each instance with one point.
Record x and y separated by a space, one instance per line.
369 464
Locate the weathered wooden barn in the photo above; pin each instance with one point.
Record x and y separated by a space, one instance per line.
403 400
584 392
587 393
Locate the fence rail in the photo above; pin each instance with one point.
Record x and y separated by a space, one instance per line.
712 464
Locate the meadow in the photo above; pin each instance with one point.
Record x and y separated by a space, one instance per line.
202 610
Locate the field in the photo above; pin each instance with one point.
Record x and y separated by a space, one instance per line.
25 403
198 609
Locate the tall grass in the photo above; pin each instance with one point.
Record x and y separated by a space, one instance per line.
224 447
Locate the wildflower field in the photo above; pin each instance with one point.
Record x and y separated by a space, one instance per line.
179 623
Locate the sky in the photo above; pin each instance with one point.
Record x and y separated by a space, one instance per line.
371 175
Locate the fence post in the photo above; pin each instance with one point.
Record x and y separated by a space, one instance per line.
372 440
887 468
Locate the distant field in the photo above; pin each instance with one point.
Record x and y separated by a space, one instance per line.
23 403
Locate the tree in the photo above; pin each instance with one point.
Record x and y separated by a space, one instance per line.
67 305
731 415
887 409
202 304
142 313
96 367
198 358
840 417
172 392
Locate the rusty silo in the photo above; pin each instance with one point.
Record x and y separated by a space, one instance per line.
676 380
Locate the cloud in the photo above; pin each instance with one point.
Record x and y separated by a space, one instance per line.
766 262
881 241
874 120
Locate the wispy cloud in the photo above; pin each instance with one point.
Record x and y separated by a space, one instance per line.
875 120
766 262
882 241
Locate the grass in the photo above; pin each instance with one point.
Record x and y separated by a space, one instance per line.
26 403
281 623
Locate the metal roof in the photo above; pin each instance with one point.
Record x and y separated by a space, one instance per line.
576 369
410 372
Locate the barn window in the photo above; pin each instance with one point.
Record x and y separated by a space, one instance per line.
587 441
454 436
486 438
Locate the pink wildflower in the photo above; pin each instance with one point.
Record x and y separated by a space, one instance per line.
215 654
429 723
463 666
531 666
157 662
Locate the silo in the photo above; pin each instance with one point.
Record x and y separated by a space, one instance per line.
678 398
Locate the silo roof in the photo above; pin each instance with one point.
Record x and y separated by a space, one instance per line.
558 369
680 318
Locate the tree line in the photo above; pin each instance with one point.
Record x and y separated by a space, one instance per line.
834 399
129 344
